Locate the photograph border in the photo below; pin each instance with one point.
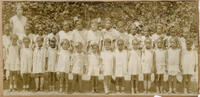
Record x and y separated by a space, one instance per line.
83 95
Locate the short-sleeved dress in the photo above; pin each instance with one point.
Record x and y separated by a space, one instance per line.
78 61
26 57
173 61
147 61
93 64
6 43
52 59
39 60
13 61
121 62
64 61
188 61
160 58
134 64
107 62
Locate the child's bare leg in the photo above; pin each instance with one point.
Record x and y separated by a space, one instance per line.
157 83
28 80
53 81
61 82
132 84
37 83
188 83
117 84
95 83
15 81
185 83
79 83
109 83
11 82
136 86
149 82
66 82
174 84
41 83
145 83
92 81
75 77
122 84
161 83
105 82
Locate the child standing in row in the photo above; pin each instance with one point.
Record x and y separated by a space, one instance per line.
5 43
160 62
13 62
121 62
94 65
39 62
147 64
173 63
107 59
52 60
78 67
63 65
26 56
134 65
188 64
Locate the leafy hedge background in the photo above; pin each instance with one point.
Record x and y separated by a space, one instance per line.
180 14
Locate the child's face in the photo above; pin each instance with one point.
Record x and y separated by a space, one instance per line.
6 30
79 47
26 43
148 44
66 27
52 43
173 44
135 44
66 45
94 48
107 44
189 45
94 26
40 42
14 42
120 44
108 25
54 30
160 44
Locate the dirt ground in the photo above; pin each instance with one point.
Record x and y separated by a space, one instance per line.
86 88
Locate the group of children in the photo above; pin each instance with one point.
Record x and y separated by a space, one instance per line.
113 52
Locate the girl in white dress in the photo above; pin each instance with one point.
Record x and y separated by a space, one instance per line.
5 43
13 62
107 59
121 62
173 63
52 61
147 63
78 67
134 64
94 65
63 65
160 61
189 64
26 56
39 63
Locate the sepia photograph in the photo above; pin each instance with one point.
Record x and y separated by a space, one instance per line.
100 48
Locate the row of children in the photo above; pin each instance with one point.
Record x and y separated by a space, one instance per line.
111 52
